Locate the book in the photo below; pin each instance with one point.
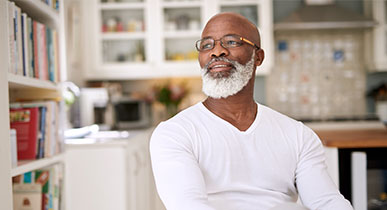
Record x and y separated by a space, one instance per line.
41 132
13 147
43 178
48 135
11 36
42 54
35 44
25 51
50 55
19 44
27 197
25 121
30 47
56 56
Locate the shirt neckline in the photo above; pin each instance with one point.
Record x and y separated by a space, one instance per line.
216 117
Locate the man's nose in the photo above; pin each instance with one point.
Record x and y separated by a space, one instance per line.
219 50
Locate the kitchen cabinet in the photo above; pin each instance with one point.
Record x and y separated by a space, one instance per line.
376 39
140 39
104 174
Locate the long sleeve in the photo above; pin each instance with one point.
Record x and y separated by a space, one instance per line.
315 187
178 178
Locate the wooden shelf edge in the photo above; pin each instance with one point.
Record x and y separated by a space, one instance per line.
16 81
31 165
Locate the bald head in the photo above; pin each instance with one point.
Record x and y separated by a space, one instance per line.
241 25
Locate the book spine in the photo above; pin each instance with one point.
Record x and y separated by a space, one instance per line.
43 50
24 23
50 55
19 44
30 47
56 56
36 51
11 36
42 132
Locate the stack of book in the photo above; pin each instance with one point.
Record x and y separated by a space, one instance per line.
34 50
37 129
38 190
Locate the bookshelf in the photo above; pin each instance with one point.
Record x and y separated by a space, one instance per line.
16 86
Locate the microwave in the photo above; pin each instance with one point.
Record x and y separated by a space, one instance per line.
131 113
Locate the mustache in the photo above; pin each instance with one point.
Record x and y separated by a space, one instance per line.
218 59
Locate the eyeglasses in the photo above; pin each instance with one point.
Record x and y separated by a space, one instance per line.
228 41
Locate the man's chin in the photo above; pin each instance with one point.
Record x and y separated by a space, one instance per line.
220 74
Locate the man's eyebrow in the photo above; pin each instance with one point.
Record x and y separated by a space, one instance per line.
206 37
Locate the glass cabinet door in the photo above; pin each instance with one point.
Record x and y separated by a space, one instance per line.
122 31
182 25
249 11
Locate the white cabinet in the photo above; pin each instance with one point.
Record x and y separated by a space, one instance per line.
376 39
112 174
96 177
137 39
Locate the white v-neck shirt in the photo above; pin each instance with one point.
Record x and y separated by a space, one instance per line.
202 162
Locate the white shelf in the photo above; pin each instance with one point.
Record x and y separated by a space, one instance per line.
122 35
182 34
181 4
121 6
39 10
239 3
19 82
31 165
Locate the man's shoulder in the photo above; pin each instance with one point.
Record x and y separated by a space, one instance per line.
182 119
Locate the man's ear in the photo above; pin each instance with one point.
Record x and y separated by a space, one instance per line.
259 56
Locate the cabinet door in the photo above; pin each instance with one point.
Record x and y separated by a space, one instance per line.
376 47
96 178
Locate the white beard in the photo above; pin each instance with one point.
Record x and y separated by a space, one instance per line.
224 86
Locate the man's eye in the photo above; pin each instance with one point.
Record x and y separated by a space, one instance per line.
232 43
206 46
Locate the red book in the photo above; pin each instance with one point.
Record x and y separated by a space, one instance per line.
26 123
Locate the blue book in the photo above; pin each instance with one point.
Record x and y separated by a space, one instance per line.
42 131
50 55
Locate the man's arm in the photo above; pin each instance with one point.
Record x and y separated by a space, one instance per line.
178 178
315 186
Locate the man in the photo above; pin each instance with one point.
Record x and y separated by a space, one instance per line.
229 152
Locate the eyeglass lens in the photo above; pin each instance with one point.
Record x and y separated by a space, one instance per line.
228 41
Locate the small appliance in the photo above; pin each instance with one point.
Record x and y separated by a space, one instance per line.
130 113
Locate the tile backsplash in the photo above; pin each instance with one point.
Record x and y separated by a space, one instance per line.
318 74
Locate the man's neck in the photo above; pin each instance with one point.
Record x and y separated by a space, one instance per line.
240 110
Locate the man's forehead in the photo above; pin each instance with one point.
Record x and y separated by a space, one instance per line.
227 23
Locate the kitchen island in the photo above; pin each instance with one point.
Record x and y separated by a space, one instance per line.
358 146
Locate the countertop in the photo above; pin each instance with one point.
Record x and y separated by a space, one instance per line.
361 134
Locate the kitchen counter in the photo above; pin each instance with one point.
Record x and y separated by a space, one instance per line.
351 134
363 138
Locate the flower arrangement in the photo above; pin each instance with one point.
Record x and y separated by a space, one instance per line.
170 95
